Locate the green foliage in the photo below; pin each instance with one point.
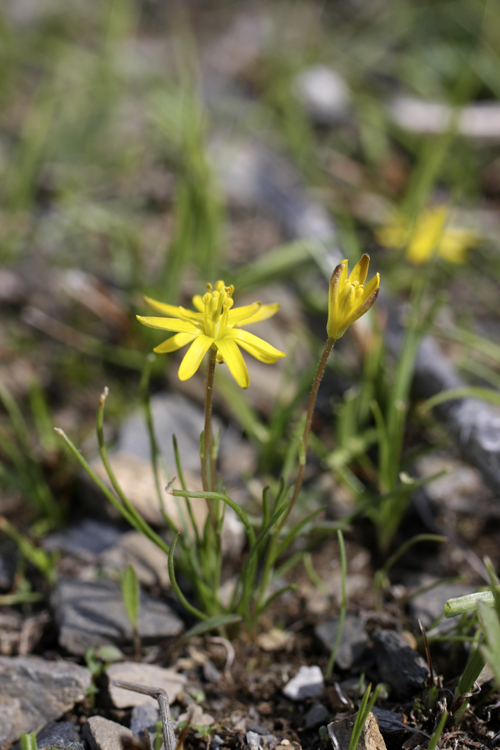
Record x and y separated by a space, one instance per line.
20 466
130 593
28 741
366 705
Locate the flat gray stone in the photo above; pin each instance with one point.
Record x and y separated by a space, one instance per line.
60 734
86 539
91 614
398 664
173 414
307 683
103 734
34 691
353 642
142 674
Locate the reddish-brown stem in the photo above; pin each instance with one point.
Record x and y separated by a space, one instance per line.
307 428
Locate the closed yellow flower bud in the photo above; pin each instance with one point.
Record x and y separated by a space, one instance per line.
348 297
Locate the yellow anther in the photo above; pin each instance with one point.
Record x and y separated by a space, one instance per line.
209 287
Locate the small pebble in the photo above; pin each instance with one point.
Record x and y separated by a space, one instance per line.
103 734
307 683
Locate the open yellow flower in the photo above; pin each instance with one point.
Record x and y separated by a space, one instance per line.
430 234
216 325
348 297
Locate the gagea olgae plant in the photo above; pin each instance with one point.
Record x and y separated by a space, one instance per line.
216 328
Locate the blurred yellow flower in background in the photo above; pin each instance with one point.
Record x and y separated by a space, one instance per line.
216 325
348 297
429 235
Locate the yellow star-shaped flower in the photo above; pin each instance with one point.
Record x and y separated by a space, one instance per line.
431 233
215 324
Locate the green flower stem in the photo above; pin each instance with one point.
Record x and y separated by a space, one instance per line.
207 460
307 428
175 586
207 468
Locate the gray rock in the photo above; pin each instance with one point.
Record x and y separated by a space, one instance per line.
317 715
353 641
398 664
340 733
148 560
429 605
91 614
143 674
34 691
103 734
86 539
253 741
391 723
307 683
61 734
173 414
144 717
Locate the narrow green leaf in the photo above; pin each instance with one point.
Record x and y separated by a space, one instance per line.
467 603
491 626
28 741
130 593
485 394
217 621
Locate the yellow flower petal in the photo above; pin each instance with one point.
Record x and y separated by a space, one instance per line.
171 310
198 303
348 298
265 312
169 324
237 314
194 355
360 270
370 288
174 343
234 360
254 345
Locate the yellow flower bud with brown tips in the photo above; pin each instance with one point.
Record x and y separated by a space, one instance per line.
348 297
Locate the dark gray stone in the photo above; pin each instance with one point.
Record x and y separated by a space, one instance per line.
87 539
317 715
103 734
353 642
61 734
144 717
91 614
399 665
391 723
34 691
